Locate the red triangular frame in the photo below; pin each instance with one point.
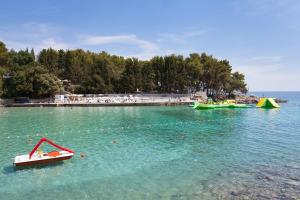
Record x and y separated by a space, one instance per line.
51 143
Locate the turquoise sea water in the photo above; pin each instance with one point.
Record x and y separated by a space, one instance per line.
156 152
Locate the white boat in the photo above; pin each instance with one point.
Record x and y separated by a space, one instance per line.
36 158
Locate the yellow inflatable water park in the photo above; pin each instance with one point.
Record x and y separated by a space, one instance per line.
267 103
212 105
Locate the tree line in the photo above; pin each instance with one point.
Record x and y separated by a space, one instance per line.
37 76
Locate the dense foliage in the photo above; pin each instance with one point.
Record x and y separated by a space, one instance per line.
90 73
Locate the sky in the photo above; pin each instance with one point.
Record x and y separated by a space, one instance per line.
260 38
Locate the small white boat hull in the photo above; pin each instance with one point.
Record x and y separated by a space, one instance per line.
24 160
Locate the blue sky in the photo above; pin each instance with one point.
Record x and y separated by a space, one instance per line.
261 38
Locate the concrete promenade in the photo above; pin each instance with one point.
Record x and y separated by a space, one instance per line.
105 100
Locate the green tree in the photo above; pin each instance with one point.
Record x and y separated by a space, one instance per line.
32 54
20 58
18 85
131 77
148 77
43 83
32 81
49 59
2 71
77 63
61 62
98 76
94 85
157 64
3 55
195 72
236 84
104 73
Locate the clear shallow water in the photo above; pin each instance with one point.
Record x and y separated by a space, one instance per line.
156 152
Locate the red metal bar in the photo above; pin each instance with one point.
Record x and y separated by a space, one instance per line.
51 143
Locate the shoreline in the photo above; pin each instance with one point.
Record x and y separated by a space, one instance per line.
95 104
122 100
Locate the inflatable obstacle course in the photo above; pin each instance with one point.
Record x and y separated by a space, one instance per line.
214 105
267 103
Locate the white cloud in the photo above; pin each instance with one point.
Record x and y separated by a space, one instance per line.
195 33
41 35
33 35
265 59
261 65
148 49
180 38
37 45
52 43
268 73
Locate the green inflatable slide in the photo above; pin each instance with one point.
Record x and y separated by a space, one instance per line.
267 103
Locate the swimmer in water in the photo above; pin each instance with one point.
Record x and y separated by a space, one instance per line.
82 155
